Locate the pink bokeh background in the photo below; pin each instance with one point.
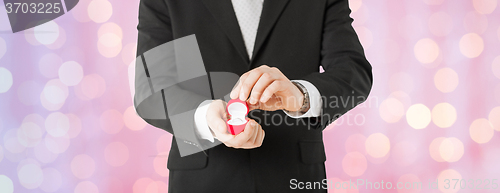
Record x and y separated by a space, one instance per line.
67 123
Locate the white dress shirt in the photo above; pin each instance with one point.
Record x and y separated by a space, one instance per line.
248 15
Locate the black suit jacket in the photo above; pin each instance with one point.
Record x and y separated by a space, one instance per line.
296 36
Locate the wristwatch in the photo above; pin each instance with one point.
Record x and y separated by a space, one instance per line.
305 103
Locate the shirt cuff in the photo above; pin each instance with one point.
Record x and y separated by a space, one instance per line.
315 102
200 121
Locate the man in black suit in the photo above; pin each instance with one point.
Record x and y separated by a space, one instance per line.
293 39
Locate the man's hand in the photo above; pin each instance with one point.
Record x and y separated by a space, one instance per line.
269 89
251 137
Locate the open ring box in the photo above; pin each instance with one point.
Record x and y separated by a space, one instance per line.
238 111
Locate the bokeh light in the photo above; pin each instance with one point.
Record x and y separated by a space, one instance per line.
485 6
481 131
47 33
156 187
132 120
82 166
160 164
451 149
111 121
471 45
391 110
57 145
418 116
26 161
434 148
100 10
6 80
402 97
86 187
494 118
109 45
354 5
43 154
113 184
495 67
54 95
444 115
426 50
29 134
30 176
57 124
59 41
446 80
29 35
440 24
448 175
6 185
354 164
128 53
377 145
361 15
75 125
34 118
140 185
52 180
11 143
116 154
92 86
70 73
110 28
80 12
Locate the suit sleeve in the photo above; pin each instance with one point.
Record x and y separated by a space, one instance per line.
347 75
164 97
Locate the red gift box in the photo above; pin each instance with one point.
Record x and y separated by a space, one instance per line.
238 111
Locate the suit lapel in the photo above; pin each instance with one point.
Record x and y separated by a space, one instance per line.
271 11
223 12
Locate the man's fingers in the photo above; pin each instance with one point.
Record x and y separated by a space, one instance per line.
270 90
265 80
220 129
248 83
240 140
236 90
